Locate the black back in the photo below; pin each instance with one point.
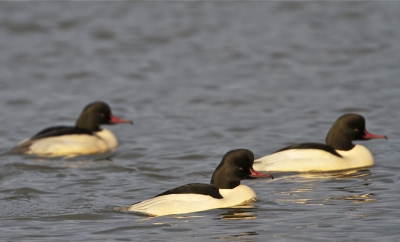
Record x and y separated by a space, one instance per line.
60 130
194 188
319 146
234 167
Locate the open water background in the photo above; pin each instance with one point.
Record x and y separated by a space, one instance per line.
198 79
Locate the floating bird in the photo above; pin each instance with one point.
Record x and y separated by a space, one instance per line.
339 153
224 191
86 137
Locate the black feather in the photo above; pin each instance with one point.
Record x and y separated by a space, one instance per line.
195 188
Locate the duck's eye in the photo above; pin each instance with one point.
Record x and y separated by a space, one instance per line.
241 169
102 115
357 130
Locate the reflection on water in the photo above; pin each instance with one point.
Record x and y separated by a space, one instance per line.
238 214
352 173
355 173
363 198
239 236
309 185
304 201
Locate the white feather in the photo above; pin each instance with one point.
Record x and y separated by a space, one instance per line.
187 203
77 144
314 160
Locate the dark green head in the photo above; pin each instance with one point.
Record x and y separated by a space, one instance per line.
347 128
96 114
236 165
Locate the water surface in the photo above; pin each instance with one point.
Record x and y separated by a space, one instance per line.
198 79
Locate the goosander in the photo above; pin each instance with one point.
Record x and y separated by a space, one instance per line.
339 153
86 137
224 191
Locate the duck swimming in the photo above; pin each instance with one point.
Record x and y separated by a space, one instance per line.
338 152
86 137
224 190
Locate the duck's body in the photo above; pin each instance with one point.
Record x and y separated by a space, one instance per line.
84 138
339 153
74 143
302 160
224 191
193 202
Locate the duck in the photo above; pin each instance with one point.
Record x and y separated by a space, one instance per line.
223 191
338 152
85 138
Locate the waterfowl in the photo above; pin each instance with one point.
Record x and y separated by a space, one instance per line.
224 190
338 152
86 137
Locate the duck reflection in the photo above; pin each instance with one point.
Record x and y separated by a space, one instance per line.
363 198
239 235
350 182
240 212
352 173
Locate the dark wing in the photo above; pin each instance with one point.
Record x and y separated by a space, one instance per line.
318 146
195 188
60 130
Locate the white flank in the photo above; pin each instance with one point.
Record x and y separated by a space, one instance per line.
314 160
76 144
188 203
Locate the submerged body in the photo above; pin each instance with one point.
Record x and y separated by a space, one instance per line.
224 191
339 153
84 138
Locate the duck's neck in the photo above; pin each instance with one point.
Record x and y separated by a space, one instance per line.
86 123
338 141
223 183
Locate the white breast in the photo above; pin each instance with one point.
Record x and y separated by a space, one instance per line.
188 203
77 144
302 160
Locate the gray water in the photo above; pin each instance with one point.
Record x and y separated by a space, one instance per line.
198 79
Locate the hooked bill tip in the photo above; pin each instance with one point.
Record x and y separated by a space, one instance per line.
258 174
